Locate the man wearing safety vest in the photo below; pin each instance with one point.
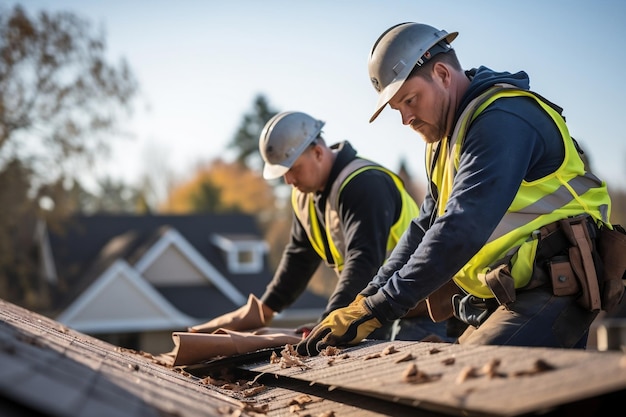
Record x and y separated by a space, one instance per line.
512 216
349 212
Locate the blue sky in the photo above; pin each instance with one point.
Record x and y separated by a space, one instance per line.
200 64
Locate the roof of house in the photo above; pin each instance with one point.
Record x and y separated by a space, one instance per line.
48 369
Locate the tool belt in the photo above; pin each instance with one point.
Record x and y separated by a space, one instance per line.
438 305
575 257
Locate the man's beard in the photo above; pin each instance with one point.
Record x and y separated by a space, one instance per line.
429 134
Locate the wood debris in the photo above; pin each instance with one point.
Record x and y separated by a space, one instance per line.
298 404
288 357
301 399
333 353
371 356
229 383
415 376
250 392
330 351
255 408
448 361
209 380
389 350
539 366
409 356
490 369
467 373
245 409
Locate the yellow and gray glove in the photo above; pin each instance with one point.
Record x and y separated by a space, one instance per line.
344 326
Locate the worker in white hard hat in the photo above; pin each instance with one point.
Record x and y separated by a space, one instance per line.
349 213
512 215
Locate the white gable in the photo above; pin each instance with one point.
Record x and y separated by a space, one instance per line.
173 267
174 246
120 300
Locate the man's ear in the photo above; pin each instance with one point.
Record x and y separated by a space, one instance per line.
318 151
441 73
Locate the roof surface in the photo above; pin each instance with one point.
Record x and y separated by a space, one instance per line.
48 369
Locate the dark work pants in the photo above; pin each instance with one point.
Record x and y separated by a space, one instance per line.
537 318
421 327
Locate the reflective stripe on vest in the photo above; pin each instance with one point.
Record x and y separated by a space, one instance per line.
568 191
304 208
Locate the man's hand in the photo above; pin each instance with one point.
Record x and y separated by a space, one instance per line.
344 326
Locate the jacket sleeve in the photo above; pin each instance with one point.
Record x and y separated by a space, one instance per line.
407 245
295 269
368 205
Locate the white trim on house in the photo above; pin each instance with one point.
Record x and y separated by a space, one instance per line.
234 249
173 237
159 314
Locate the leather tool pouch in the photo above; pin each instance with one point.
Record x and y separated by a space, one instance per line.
501 284
582 261
440 302
612 249
562 276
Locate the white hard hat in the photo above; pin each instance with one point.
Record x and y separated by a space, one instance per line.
284 138
397 51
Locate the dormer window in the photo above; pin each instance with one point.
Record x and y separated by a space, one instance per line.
244 253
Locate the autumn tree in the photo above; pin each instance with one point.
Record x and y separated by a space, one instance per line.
220 187
60 100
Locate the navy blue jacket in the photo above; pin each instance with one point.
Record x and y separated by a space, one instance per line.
511 140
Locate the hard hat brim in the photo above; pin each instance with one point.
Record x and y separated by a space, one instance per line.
386 95
272 172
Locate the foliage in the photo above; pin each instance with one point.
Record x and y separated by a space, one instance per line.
113 197
58 95
60 100
221 187
246 140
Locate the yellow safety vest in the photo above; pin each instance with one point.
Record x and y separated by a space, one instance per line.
569 191
304 207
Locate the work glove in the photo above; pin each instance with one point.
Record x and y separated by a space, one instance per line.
248 317
345 326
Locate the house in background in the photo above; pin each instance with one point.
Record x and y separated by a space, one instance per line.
132 280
